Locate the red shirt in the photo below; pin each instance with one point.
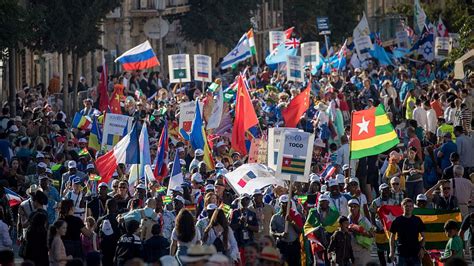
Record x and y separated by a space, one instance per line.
437 107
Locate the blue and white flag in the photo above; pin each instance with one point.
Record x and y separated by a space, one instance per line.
419 17
424 45
282 51
379 53
176 176
238 54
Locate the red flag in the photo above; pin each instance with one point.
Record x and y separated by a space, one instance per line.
245 117
288 32
102 89
388 213
115 103
297 107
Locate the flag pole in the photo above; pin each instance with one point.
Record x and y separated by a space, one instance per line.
290 195
350 146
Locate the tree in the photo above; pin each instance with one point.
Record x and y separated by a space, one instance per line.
223 21
343 17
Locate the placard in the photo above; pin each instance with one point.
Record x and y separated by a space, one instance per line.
310 53
363 45
295 156
294 68
454 39
114 128
442 47
202 68
187 112
402 39
258 151
179 68
276 37
274 141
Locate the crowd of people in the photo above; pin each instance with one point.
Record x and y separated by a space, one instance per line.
66 217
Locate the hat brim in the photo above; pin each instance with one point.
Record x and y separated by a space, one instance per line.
189 259
269 257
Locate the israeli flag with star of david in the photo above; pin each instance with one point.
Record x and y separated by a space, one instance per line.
424 45
238 54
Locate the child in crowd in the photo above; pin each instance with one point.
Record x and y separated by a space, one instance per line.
454 247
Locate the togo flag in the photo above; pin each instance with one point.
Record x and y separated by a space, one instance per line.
293 166
238 54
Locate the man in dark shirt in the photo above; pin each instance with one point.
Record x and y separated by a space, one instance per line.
244 222
109 232
96 206
129 245
156 246
407 228
448 172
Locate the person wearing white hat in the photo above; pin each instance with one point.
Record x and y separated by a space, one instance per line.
341 181
287 242
72 170
264 213
315 184
244 222
422 201
169 216
342 154
198 157
337 201
354 192
96 206
203 221
209 188
322 121
362 231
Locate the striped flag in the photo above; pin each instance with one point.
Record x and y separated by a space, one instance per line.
81 122
166 199
251 39
83 152
328 171
293 166
12 197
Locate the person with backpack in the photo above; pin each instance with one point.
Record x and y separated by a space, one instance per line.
219 234
108 231
129 245
156 246
148 218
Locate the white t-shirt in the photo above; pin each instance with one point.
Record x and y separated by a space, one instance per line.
196 239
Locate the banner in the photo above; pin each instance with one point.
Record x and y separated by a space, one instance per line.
363 45
179 68
294 160
202 68
276 37
115 126
258 151
403 40
275 136
310 53
248 177
187 112
442 47
294 68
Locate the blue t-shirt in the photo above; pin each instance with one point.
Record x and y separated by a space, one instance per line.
447 148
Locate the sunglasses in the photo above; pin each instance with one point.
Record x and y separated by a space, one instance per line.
395 184
446 188
123 187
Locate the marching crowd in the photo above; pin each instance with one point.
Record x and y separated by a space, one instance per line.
63 219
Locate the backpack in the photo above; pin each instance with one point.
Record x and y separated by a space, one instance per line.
146 225
106 229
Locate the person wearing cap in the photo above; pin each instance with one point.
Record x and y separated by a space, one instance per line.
197 255
409 230
203 221
198 157
214 234
363 233
343 152
270 256
88 110
53 197
321 121
422 202
341 182
413 170
244 222
140 193
72 171
129 245
264 213
337 200
96 203
396 193
25 209
383 199
169 216
287 241
40 170
354 192
77 195
340 246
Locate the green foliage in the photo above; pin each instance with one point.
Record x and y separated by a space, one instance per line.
466 42
343 17
223 21
11 25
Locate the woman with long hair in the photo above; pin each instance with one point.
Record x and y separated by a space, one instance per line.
184 233
36 247
75 226
57 251
219 234
413 171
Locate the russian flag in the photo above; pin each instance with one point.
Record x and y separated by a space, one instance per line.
139 57
126 151
203 74
13 198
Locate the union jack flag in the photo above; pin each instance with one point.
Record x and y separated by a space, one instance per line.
292 43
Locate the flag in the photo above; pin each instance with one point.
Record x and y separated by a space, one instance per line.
226 208
245 117
434 220
139 57
282 51
166 199
379 53
340 63
126 151
83 152
239 53
217 109
441 30
81 122
161 169
115 103
297 107
362 29
208 159
95 137
419 17
371 132
94 177
248 177
13 198
144 145
289 32
424 45
102 88
387 214
176 176
330 223
292 166
251 39
328 171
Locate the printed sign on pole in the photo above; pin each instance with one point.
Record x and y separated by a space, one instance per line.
294 68
187 112
258 151
442 47
402 39
310 53
179 68
114 128
276 37
275 135
363 45
202 68
454 39
295 156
